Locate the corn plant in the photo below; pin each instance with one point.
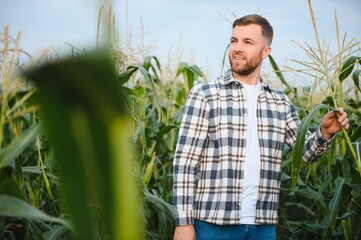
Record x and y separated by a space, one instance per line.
28 198
322 201
96 162
156 108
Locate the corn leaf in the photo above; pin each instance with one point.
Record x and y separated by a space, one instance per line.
190 73
149 79
11 151
39 170
300 143
196 70
280 75
356 134
15 207
319 199
356 79
56 232
126 75
342 192
166 129
159 203
347 67
147 64
84 110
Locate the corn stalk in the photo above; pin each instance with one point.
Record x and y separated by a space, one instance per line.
329 67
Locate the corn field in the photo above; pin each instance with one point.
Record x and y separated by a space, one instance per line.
88 143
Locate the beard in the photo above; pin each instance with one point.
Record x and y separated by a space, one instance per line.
246 68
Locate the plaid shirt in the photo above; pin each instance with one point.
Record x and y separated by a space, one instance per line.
210 153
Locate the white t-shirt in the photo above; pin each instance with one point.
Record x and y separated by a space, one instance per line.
252 160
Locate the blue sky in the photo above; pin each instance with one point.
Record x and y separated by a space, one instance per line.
199 27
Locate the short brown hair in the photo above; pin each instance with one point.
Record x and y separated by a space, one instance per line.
267 29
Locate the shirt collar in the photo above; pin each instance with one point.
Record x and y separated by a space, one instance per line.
228 78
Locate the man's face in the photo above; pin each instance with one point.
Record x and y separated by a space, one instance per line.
248 47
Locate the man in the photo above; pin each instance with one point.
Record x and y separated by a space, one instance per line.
227 164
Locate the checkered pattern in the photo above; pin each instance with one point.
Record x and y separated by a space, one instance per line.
210 153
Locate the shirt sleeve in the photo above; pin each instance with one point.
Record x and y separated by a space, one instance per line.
315 145
192 135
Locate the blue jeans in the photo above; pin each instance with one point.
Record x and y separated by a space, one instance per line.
209 231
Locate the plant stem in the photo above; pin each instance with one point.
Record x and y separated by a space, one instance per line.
353 153
5 80
349 143
326 73
45 177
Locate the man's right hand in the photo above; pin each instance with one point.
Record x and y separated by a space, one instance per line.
185 232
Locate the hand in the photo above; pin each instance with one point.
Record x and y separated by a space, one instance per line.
186 232
332 124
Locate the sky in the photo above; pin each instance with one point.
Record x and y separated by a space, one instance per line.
199 29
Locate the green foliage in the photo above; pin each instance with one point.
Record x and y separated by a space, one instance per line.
300 143
15 207
280 76
84 110
322 200
107 123
190 73
157 107
11 151
347 67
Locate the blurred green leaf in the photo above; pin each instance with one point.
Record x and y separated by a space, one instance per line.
9 183
84 109
18 144
356 134
39 170
126 75
15 207
56 233
356 79
347 67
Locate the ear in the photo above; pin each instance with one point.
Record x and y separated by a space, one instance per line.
266 52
